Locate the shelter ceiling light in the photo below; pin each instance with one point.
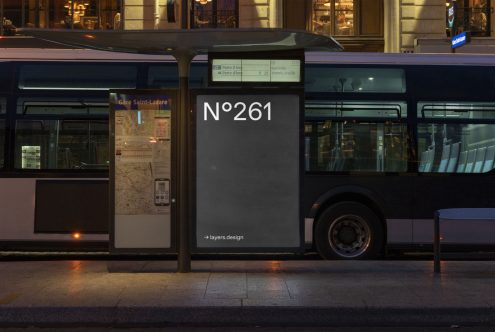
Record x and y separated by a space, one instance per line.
203 2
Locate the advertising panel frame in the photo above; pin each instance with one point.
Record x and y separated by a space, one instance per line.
174 95
193 169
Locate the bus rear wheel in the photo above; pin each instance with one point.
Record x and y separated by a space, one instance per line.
348 230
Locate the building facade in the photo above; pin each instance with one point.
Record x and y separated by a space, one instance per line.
359 25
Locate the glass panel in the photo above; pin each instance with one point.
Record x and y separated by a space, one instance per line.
6 76
479 12
2 143
322 17
214 14
355 146
198 76
165 76
449 110
456 148
77 77
3 106
226 14
61 144
344 17
319 78
353 109
65 108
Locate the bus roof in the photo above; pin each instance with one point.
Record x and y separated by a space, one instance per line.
34 54
50 54
401 58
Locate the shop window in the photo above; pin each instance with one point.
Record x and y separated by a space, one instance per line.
214 14
333 17
347 18
63 14
470 15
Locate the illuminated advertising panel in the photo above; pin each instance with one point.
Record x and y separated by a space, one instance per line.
248 171
141 170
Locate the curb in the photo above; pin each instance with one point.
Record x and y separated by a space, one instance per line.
243 316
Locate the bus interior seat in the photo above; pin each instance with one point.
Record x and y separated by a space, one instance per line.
462 162
442 167
471 157
337 160
423 161
454 156
429 160
489 159
480 160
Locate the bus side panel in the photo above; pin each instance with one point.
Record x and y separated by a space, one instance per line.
17 214
443 191
392 193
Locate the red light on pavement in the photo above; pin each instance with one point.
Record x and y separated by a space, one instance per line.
76 235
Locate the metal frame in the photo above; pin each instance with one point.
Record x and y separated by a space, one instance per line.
192 168
173 185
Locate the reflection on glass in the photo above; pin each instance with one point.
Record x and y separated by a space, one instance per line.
357 80
358 136
456 147
61 144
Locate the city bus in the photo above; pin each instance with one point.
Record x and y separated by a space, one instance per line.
388 139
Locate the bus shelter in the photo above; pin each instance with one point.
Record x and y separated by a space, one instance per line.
170 188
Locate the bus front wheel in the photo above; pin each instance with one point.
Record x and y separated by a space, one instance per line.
348 230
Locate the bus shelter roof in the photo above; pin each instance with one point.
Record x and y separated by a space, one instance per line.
188 42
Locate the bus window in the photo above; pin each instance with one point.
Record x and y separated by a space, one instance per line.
61 144
356 136
163 76
61 108
44 76
199 76
456 137
320 78
5 77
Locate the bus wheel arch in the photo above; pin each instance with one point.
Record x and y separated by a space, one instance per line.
349 227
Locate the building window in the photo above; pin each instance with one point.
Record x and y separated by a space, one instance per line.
347 18
333 17
214 14
63 14
470 15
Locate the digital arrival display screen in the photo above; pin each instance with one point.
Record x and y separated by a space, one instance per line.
248 172
256 70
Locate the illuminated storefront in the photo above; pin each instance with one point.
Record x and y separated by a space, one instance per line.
64 14
357 24
469 15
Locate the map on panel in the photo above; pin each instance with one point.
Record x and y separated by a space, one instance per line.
142 155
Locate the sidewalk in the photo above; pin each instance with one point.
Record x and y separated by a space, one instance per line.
247 293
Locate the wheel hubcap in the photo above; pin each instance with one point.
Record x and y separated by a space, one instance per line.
349 236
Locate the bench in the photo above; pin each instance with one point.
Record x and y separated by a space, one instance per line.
462 214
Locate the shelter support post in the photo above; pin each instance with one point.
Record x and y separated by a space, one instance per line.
183 202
